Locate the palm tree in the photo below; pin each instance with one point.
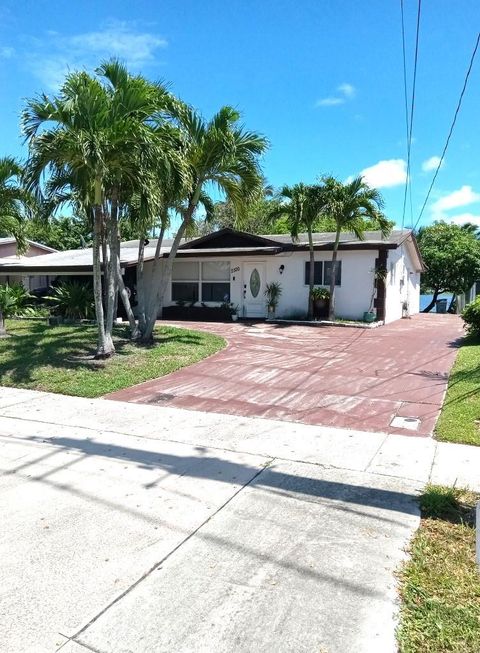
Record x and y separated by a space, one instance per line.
15 201
94 132
349 205
221 153
303 207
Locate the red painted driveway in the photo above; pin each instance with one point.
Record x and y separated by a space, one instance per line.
344 377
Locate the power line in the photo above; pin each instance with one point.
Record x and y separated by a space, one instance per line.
409 121
457 110
406 106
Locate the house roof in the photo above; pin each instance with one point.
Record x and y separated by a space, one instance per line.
11 241
226 242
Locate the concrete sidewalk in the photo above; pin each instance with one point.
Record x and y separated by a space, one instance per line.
144 529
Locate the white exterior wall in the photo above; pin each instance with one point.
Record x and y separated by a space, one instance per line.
352 298
402 285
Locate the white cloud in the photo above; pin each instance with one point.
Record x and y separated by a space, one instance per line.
464 218
118 39
52 57
344 92
347 90
462 197
385 174
6 52
432 164
330 102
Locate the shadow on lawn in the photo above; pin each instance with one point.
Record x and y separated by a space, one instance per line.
69 348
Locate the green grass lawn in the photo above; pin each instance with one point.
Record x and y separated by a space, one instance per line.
440 584
460 417
60 358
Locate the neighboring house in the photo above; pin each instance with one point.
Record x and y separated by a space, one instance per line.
9 255
235 266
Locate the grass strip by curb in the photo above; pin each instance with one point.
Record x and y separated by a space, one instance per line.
440 583
459 420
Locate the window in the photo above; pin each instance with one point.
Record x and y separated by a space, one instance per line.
208 281
185 271
215 292
185 291
185 278
327 273
216 281
317 273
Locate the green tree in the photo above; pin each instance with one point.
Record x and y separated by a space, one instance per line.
64 232
219 153
15 201
452 259
303 205
93 138
257 218
350 205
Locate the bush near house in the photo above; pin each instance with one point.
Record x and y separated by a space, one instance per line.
73 300
471 317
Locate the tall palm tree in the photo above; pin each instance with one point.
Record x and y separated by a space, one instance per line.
349 205
303 205
15 201
221 153
95 131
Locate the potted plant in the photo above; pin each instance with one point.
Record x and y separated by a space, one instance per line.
379 274
273 291
233 311
321 301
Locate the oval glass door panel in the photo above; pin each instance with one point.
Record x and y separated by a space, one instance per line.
255 282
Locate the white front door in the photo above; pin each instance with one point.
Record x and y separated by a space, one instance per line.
254 289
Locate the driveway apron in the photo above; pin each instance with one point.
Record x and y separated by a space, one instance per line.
390 379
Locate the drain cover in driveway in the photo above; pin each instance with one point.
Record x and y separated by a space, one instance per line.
410 423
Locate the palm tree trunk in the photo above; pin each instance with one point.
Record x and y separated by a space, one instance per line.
311 279
104 344
141 282
156 268
157 304
436 293
111 268
134 330
331 309
103 238
3 331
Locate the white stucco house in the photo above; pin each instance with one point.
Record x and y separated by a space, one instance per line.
235 266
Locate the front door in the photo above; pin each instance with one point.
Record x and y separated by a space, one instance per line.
254 289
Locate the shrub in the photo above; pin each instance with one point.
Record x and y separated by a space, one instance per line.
471 317
320 293
73 300
13 303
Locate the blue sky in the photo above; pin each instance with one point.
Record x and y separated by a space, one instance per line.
322 79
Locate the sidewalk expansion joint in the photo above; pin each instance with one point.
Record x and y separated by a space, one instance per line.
160 562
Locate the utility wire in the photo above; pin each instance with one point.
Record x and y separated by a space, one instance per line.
457 110
409 120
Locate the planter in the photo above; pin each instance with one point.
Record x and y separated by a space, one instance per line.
369 316
234 317
197 313
321 307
